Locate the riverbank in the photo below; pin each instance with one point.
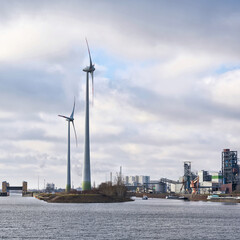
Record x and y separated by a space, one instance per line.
195 197
79 198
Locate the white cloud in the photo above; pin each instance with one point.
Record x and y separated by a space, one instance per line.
225 89
159 99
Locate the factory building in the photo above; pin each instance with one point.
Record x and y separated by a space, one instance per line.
144 179
204 176
156 186
217 177
143 183
136 180
209 183
202 182
188 177
176 188
132 181
50 187
126 180
208 187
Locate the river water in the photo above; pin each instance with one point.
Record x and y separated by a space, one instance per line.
29 218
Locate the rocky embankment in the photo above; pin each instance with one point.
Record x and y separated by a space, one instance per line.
79 198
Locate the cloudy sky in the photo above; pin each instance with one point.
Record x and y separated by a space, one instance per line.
167 87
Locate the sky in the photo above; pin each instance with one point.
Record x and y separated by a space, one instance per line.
166 87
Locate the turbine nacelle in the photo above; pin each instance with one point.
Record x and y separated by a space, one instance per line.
71 119
89 69
67 118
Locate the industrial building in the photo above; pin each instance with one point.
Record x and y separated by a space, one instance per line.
226 180
136 180
157 186
144 184
187 176
202 182
50 187
137 183
204 176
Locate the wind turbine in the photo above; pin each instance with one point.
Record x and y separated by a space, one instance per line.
69 119
86 183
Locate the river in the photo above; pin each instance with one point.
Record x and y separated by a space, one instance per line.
29 218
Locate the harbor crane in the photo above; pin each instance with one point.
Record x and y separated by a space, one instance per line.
194 185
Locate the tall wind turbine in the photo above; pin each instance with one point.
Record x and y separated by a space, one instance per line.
86 183
69 119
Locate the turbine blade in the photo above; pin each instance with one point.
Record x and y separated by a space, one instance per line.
72 115
64 117
92 88
75 132
89 54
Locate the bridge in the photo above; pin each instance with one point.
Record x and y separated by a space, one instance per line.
6 188
14 188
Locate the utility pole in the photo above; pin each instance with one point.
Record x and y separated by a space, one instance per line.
120 174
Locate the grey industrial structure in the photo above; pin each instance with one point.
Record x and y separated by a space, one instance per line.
230 168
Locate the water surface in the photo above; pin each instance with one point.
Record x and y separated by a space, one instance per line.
29 218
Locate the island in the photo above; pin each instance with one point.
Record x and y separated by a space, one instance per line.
106 193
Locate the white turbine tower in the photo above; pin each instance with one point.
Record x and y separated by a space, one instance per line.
69 119
86 183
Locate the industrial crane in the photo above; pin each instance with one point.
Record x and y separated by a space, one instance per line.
194 185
